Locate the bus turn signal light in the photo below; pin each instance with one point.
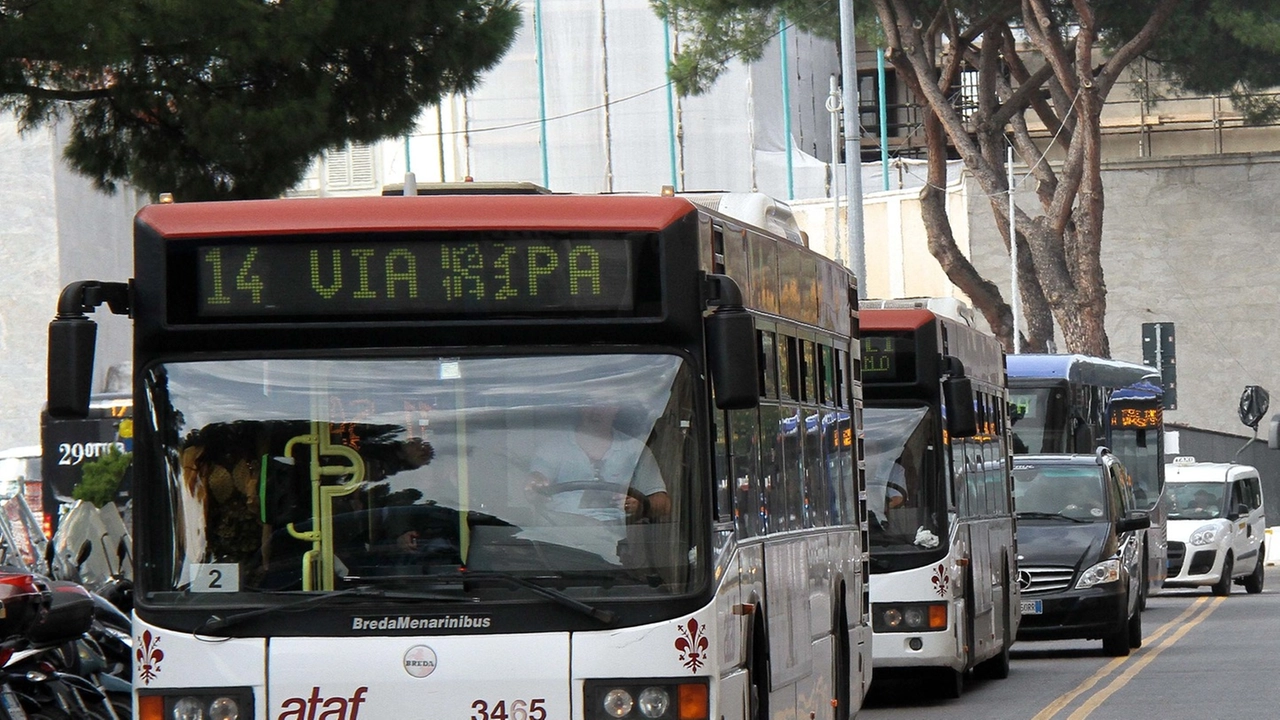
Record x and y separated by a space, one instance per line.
937 616
150 707
693 701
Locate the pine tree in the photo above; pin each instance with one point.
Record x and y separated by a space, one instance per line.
235 98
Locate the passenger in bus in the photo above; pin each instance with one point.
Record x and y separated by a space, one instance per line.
895 488
597 453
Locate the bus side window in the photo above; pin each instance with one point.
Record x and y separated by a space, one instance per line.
817 495
842 377
788 369
774 511
768 364
724 473
826 376
791 464
749 500
809 368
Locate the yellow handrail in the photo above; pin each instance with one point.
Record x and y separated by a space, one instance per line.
321 534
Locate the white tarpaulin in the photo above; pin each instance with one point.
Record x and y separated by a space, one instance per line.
599 96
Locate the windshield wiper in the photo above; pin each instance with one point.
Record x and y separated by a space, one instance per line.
1050 516
219 623
606 617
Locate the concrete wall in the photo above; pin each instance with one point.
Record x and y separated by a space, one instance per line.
1188 241
54 228
896 250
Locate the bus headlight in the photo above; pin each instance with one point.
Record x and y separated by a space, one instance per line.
188 708
654 702
1203 535
1104 572
618 703
224 708
196 704
647 699
908 617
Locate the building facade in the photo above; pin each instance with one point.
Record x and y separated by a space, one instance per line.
54 228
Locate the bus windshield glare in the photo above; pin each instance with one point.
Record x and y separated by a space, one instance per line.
902 505
316 475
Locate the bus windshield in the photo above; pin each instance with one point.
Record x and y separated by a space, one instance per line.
1138 449
901 503
322 474
1039 420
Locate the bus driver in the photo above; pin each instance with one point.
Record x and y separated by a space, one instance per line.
596 452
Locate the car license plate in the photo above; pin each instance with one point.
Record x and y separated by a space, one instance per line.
1032 607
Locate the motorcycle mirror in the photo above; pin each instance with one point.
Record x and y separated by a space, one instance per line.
85 549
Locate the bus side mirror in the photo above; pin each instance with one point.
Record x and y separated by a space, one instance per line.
957 393
1273 434
71 343
732 358
70 366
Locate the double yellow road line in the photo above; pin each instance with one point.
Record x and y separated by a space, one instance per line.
1152 644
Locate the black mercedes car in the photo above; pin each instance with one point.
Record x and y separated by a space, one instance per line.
1079 550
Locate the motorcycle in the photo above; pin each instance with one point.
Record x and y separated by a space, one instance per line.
74 659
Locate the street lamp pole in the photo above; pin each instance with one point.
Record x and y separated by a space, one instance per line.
852 147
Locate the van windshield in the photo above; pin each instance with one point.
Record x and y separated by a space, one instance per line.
1195 500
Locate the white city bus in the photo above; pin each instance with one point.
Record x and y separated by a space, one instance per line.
944 592
369 488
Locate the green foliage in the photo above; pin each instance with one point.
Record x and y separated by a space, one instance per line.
100 479
235 98
1229 47
714 32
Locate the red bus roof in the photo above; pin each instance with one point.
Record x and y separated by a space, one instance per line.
435 212
890 319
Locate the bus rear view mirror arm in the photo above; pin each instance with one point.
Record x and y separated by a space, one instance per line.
72 336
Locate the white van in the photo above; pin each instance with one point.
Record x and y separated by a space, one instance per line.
1216 525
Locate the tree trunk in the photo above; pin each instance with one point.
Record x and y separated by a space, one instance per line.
984 295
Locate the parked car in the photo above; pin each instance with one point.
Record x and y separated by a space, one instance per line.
1217 526
1079 550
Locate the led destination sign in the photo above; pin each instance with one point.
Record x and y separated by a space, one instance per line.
415 277
888 358
1137 418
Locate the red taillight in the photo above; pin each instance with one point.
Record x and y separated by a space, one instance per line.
23 582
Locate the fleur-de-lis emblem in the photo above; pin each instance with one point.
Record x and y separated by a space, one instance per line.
941 580
692 645
149 657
